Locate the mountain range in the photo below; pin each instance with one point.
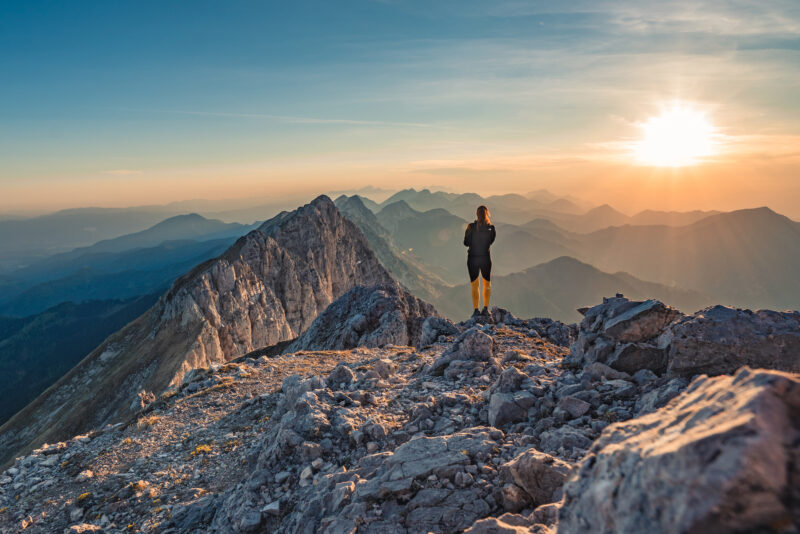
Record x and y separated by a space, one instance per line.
267 287
744 258
123 267
519 209
561 286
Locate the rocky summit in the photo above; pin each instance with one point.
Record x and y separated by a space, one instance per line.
267 288
385 418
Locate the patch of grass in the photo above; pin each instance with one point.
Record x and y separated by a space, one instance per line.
199 451
146 422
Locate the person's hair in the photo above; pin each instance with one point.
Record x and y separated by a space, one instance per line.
483 215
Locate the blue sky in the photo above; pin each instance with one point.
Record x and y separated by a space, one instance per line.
115 103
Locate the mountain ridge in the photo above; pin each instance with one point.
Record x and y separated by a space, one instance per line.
267 287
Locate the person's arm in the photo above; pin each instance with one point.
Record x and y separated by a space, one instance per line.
468 235
494 234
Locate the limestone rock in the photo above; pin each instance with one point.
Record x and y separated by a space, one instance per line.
574 406
632 357
367 317
504 409
540 475
566 438
473 344
622 334
719 340
641 322
722 454
433 327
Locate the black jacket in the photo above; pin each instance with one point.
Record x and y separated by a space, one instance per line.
479 237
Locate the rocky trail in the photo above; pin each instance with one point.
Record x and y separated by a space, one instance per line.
496 425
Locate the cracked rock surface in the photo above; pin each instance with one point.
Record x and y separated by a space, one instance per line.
491 425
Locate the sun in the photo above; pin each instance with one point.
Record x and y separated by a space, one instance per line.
680 136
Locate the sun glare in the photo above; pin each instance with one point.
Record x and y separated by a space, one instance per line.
680 136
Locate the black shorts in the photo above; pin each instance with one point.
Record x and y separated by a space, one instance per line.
482 264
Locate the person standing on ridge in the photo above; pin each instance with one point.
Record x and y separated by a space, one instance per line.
479 237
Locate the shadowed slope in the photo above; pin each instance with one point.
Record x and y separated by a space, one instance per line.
267 288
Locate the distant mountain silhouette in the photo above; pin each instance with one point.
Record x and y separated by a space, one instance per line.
105 275
564 205
746 258
557 288
435 236
509 208
402 264
22 241
670 218
180 227
122 267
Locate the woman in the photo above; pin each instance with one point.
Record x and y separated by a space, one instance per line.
479 237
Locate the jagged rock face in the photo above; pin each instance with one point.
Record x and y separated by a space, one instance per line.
369 440
433 328
719 340
616 331
367 317
268 287
722 456
630 336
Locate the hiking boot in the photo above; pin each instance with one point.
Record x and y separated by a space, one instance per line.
476 313
484 311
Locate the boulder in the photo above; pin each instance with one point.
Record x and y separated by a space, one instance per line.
722 456
574 406
566 436
503 409
719 340
423 456
510 380
539 474
432 328
341 375
367 317
641 322
598 370
473 344
631 357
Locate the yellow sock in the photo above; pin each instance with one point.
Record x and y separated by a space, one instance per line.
487 292
475 293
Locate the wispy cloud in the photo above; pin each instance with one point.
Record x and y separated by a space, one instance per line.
300 120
